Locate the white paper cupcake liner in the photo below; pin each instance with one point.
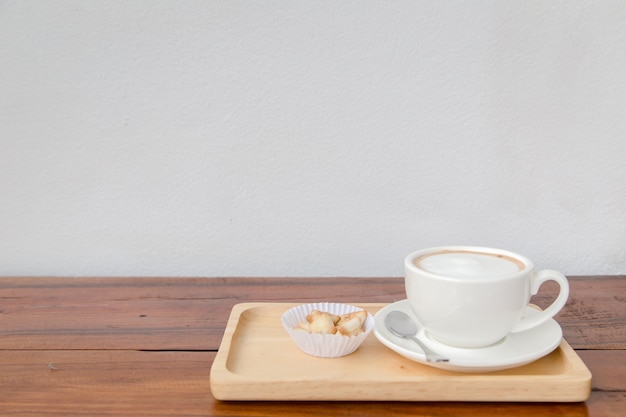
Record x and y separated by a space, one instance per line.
324 345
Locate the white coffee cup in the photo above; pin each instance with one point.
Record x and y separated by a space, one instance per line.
471 297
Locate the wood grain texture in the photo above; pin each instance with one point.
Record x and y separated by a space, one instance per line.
191 313
144 346
600 405
100 382
150 313
258 361
139 383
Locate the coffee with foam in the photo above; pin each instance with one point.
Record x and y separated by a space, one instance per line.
472 296
468 264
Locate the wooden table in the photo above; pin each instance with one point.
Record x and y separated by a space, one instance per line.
144 346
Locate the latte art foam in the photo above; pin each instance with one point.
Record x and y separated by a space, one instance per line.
468 264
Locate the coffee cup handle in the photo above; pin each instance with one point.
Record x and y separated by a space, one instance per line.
536 319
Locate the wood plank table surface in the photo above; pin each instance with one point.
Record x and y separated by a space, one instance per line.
144 346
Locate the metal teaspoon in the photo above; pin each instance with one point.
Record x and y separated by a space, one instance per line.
402 325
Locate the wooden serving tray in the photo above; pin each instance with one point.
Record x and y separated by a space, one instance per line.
257 360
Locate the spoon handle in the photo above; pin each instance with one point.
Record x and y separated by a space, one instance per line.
430 355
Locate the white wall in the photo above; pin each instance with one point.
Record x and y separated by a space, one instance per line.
308 138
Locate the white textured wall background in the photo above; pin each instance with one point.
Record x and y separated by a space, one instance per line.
308 138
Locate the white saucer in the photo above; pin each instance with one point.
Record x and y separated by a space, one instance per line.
515 350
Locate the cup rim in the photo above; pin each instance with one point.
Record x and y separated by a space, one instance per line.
408 261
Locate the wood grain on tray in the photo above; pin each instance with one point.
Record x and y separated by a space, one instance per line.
257 360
